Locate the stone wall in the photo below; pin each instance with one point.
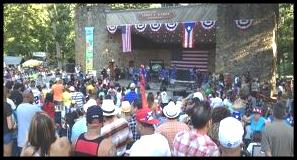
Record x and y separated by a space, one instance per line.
252 49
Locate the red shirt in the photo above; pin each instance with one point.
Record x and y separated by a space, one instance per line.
49 108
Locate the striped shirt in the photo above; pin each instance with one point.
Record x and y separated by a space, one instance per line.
78 97
120 134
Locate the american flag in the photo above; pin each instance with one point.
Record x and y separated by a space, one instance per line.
188 36
187 59
126 38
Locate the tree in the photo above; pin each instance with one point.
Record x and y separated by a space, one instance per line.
62 25
24 29
285 39
29 28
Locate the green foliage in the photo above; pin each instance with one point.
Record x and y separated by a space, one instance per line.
28 28
285 39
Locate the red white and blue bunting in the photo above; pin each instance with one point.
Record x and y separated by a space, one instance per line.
243 23
208 24
171 26
112 29
140 27
155 27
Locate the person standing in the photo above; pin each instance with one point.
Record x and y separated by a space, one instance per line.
42 138
8 125
57 90
196 142
114 127
36 93
91 143
132 95
230 137
16 95
150 143
171 126
78 97
67 98
278 137
49 106
25 112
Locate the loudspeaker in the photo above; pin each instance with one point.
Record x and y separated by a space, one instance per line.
182 93
70 68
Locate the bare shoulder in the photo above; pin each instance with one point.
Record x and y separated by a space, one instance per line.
28 151
107 148
61 147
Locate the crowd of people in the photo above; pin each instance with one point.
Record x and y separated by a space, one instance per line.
55 114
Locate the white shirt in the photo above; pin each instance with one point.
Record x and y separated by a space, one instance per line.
227 103
12 105
119 97
164 97
250 147
151 145
216 102
37 95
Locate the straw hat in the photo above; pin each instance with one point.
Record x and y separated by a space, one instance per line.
126 107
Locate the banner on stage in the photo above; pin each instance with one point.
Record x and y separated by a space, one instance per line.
89 48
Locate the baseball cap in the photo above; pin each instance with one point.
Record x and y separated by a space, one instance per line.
230 132
145 116
94 112
237 115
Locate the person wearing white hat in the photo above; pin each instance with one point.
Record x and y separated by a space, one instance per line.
131 96
171 126
126 110
198 94
78 97
114 127
230 136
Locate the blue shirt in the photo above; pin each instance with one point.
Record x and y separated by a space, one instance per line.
131 96
78 128
25 113
259 125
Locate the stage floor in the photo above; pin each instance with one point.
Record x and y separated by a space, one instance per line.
155 87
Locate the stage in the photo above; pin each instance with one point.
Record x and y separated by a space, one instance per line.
155 87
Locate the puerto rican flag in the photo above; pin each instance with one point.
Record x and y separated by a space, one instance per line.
188 36
126 38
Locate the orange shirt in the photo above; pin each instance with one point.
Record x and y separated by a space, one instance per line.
58 92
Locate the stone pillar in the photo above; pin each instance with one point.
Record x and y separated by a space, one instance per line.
91 16
251 50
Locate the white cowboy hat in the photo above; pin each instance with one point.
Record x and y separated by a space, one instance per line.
171 110
108 108
71 89
90 103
